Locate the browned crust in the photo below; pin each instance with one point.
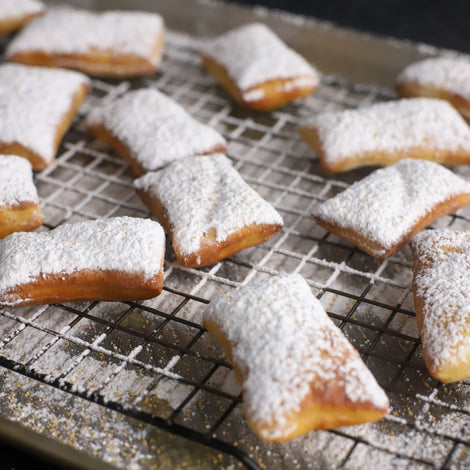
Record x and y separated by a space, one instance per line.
455 369
37 161
211 251
273 91
413 89
381 158
97 62
379 251
104 134
84 285
318 411
23 217
8 25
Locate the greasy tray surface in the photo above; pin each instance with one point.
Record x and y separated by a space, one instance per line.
154 361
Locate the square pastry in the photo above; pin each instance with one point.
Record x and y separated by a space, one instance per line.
382 212
149 130
447 78
113 43
117 259
441 287
384 133
297 370
207 209
257 68
19 202
40 104
14 14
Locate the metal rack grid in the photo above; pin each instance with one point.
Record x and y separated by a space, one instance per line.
153 361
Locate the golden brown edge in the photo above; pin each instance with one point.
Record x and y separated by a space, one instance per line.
36 160
380 158
272 91
312 414
210 251
104 134
83 285
377 250
413 89
22 217
9 25
97 62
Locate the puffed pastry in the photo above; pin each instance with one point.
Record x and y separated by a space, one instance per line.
111 43
19 202
39 105
149 130
444 77
441 287
257 68
119 259
384 133
207 209
382 212
297 370
14 14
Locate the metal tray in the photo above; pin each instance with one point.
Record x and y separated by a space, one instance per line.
141 384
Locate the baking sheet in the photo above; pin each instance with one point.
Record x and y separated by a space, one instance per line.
111 379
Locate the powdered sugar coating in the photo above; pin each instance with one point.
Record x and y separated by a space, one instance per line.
122 244
156 130
205 192
287 347
444 285
384 206
35 101
252 54
16 182
10 9
65 30
395 126
447 73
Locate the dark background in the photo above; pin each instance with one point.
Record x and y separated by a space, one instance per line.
438 22
441 23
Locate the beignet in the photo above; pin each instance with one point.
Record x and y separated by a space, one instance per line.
149 130
117 259
207 209
384 133
297 370
382 212
257 68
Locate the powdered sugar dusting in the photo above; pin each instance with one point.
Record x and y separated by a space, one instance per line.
448 73
123 244
385 206
65 30
396 126
287 347
444 285
205 192
35 99
10 9
155 129
16 182
253 54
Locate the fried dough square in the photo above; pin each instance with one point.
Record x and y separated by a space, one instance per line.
149 130
297 370
382 212
385 133
207 209
112 43
257 68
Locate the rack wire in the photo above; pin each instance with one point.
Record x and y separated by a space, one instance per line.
153 362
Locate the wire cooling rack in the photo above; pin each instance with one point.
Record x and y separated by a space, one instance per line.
107 378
